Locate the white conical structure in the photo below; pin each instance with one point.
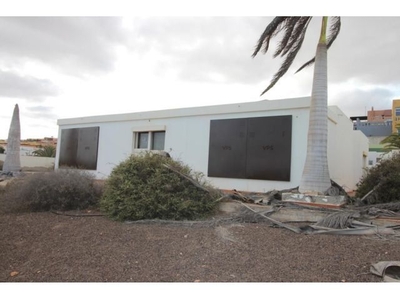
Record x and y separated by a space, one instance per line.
12 162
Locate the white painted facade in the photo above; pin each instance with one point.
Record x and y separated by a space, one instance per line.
187 139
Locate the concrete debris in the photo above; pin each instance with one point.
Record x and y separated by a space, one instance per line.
381 220
388 270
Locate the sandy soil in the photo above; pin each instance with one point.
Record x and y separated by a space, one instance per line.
45 247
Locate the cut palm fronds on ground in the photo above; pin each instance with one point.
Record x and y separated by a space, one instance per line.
338 220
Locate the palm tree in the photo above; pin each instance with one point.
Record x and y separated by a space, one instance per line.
315 178
46 151
391 142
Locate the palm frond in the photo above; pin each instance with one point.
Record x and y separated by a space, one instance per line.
299 33
391 142
289 27
334 30
272 29
301 23
309 63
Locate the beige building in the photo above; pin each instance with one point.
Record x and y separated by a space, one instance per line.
396 116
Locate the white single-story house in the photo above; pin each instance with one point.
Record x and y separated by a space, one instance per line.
254 146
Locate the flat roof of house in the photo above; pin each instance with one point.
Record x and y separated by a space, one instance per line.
359 117
263 105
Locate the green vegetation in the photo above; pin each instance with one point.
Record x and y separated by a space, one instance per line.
391 142
46 151
156 187
2 150
384 178
56 190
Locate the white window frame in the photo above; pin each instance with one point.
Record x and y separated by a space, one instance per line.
150 130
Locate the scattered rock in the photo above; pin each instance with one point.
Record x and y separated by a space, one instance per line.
14 273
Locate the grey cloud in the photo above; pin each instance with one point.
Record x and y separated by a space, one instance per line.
77 45
27 87
197 48
365 49
41 112
357 102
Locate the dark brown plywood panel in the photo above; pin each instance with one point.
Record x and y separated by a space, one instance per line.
253 148
269 146
227 151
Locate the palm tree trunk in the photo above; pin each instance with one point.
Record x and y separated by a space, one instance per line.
12 162
316 178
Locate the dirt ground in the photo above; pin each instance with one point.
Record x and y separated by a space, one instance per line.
45 247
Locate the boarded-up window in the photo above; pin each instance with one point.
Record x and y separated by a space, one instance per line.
79 147
252 148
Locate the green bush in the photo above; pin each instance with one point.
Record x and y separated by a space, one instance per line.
56 190
46 151
385 177
142 187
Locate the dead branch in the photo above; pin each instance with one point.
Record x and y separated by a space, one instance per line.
194 182
370 192
291 228
241 197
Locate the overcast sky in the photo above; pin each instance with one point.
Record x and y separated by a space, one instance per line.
67 67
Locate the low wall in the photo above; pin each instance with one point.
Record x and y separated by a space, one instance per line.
33 161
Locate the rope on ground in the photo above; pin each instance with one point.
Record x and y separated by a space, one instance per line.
202 223
76 215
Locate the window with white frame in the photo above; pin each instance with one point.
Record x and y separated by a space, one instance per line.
150 140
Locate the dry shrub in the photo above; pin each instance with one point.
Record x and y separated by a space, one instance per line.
56 190
142 187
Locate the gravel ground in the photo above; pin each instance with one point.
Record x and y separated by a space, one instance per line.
45 247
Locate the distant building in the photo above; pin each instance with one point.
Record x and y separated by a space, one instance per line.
377 125
29 145
372 129
379 115
396 116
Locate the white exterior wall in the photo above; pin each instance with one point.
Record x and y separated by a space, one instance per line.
187 138
373 156
347 150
